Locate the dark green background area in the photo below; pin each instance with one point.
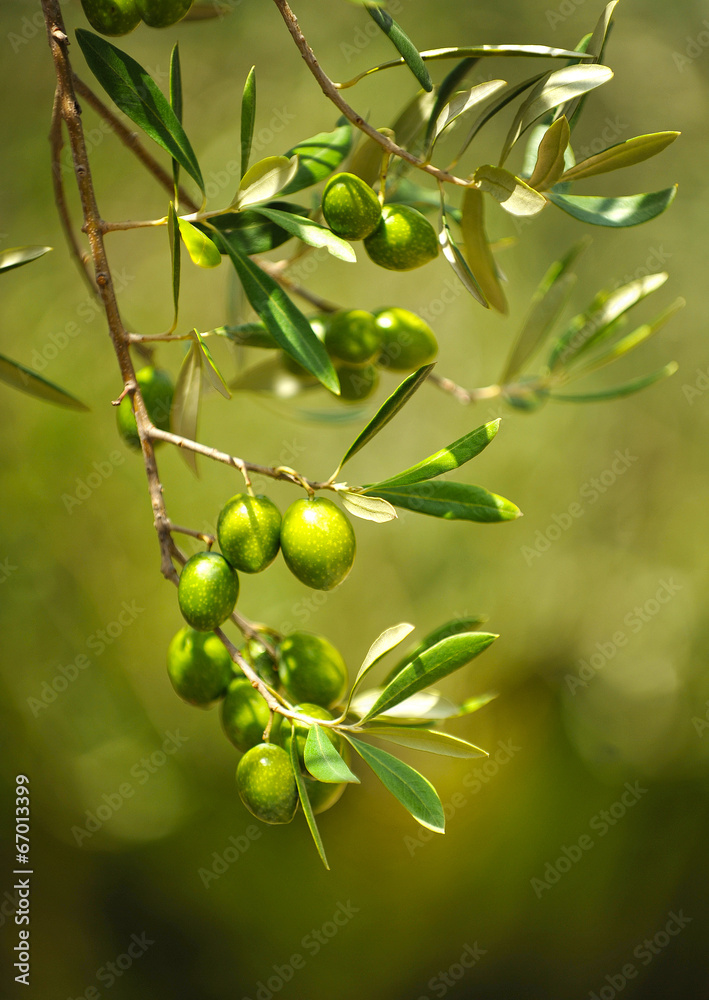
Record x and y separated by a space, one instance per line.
81 590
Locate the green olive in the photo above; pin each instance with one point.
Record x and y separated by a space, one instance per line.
403 240
350 207
352 336
266 784
199 667
318 542
249 529
312 670
407 341
245 714
112 17
157 391
163 13
207 591
357 382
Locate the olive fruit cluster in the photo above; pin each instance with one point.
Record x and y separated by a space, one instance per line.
314 535
308 669
119 17
157 390
396 237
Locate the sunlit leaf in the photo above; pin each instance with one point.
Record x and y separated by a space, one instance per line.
311 233
445 91
24 379
505 98
367 507
428 740
447 459
203 252
17 256
319 156
623 154
248 119
214 376
627 210
513 194
463 102
477 249
451 501
173 232
322 759
551 155
382 645
452 253
265 179
250 231
593 47
403 44
138 96
453 627
175 92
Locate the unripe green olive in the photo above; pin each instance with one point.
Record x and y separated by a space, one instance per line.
318 542
163 13
357 382
207 591
245 714
403 240
350 207
352 336
249 532
199 667
157 390
266 784
312 670
260 659
112 17
408 342
323 794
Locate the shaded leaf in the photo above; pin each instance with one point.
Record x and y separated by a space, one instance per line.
447 459
383 644
24 379
175 92
463 102
434 663
627 389
547 305
513 194
551 155
283 320
453 627
416 794
311 233
250 231
389 408
411 121
623 154
202 250
173 232
247 335
319 156
214 376
451 501
367 507
477 249
265 179
137 95
408 192
496 106
428 740
322 759
555 89
451 252
403 44
17 256
445 91
184 414
627 210
248 119
305 801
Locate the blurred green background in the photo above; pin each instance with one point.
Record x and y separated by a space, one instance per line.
465 915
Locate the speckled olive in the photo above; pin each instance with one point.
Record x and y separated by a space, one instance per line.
199 667
352 336
207 591
312 670
163 13
403 240
266 784
157 391
112 17
245 714
408 342
248 529
318 542
350 207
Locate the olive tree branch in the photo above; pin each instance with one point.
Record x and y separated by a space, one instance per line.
331 91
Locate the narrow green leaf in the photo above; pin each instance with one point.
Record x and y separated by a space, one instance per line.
265 179
551 155
17 256
173 232
436 662
462 103
623 154
319 156
453 627
547 305
428 740
248 119
305 801
477 702
383 644
311 233
184 415
478 252
513 194
425 706
577 339
250 231
553 90
627 389
416 794
203 251
283 320
452 253
505 98
24 379
402 43
175 92
389 408
246 335
137 95
322 759
214 376
594 47
451 501
445 91
627 210
447 459
367 507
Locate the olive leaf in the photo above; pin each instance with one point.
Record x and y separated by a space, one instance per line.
322 759
383 644
214 376
17 256
618 392
265 179
478 252
311 233
367 507
513 194
627 210
202 250
452 627
248 119
24 379
551 155
451 501
173 233
401 41
318 156
175 95
304 800
451 252
623 154
428 740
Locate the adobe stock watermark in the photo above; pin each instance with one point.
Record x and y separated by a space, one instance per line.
565 10
141 771
312 943
634 621
229 855
695 48
590 493
701 725
87 485
602 823
698 387
7 568
443 981
645 953
109 974
98 642
474 781
28 29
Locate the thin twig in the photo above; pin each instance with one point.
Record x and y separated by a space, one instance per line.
464 396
